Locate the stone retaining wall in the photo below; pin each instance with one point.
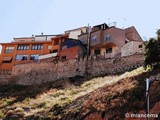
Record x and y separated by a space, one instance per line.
44 71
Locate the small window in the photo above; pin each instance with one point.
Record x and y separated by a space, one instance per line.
63 58
54 51
34 57
18 57
21 57
108 50
97 51
108 36
82 40
49 47
56 42
7 60
24 57
64 47
94 38
140 46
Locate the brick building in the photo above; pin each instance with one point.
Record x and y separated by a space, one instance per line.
72 49
109 42
27 49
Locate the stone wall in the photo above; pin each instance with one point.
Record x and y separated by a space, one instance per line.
44 71
4 76
132 48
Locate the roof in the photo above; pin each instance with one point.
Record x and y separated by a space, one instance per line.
75 29
104 25
60 36
101 30
48 35
24 38
129 34
75 40
28 42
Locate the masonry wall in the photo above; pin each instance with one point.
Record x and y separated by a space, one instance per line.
132 48
44 71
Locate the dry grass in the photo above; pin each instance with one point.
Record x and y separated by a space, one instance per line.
54 96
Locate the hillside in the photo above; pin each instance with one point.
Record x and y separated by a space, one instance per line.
78 98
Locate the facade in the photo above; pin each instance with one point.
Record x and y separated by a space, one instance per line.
72 49
27 49
73 34
133 44
104 42
109 42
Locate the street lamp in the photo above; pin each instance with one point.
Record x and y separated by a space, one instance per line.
147 96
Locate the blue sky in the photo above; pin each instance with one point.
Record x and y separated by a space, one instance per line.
24 18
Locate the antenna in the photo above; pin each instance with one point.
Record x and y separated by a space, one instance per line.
145 39
124 20
109 21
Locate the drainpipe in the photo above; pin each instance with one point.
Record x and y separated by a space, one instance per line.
88 41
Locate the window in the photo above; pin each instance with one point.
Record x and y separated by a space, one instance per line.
9 49
21 57
97 51
24 57
64 47
108 36
34 57
7 60
108 50
49 47
126 41
56 42
140 46
37 47
83 40
54 51
63 58
94 38
23 47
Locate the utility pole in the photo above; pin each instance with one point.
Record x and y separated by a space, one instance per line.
124 20
88 41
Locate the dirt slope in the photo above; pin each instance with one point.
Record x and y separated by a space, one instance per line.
79 98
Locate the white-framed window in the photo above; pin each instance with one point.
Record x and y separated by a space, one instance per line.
37 47
9 49
108 37
94 38
49 47
34 57
21 57
23 47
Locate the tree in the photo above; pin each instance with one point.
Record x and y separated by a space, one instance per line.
152 53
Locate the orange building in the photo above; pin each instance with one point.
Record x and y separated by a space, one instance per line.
28 49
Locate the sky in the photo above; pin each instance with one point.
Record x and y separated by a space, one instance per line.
22 18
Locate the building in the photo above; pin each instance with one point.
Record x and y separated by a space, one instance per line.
133 43
74 33
28 49
109 42
72 49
